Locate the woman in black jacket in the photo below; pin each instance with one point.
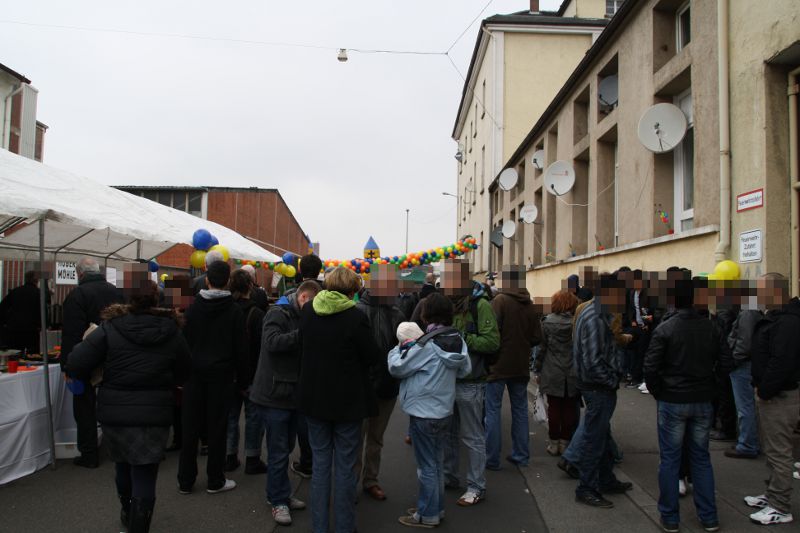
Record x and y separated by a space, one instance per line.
143 356
335 394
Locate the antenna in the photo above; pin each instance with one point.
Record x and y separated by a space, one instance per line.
508 179
538 159
608 91
528 213
559 178
509 228
662 128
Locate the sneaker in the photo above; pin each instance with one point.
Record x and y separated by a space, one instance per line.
681 488
470 498
410 521
733 453
768 516
670 527
710 526
552 449
797 465
593 500
228 485
302 471
411 511
633 385
644 390
796 475
294 504
184 490
642 386
570 469
281 515
618 487
756 502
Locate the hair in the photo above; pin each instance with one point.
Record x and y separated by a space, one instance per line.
684 293
310 265
308 285
343 280
774 276
144 297
31 276
241 284
214 256
87 265
437 309
430 277
218 274
564 302
624 269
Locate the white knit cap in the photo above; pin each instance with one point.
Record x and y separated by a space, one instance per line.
407 331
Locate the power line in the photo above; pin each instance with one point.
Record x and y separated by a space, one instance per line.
460 35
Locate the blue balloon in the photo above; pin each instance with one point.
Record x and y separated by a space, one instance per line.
201 239
152 266
214 241
289 258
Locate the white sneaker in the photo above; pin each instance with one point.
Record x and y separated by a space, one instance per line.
644 390
681 487
229 485
757 502
281 515
469 498
643 386
294 504
768 516
796 475
797 465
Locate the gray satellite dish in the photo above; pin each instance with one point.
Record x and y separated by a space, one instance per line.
538 159
528 213
608 90
508 179
496 237
509 228
559 178
662 128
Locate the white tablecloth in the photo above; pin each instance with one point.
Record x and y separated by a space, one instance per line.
24 441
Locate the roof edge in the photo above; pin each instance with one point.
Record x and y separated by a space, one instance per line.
14 73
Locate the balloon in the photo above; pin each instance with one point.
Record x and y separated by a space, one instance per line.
201 239
214 240
289 258
198 259
152 266
221 249
726 270
257 264
237 261
290 271
164 277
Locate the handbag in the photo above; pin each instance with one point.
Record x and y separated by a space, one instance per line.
540 408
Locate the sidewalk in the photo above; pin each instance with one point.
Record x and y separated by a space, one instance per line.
634 427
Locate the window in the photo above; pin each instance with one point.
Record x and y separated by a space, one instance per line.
483 99
179 201
683 26
165 198
475 133
612 6
196 204
471 135
616 195
683 218
474 180
483 167
150 195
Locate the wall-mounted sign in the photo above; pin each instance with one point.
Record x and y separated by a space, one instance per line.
750 200
66 273
750 246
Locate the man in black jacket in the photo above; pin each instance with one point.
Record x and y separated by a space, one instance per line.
81 308
19 314
215 331
776 372
679 372
274 392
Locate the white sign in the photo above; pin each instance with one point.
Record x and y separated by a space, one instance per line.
750 246
66 273
750 200
111 275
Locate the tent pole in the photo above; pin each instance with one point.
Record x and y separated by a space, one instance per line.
43 344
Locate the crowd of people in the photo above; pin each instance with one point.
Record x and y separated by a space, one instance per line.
322 368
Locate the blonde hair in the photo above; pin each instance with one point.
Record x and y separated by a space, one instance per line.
343 280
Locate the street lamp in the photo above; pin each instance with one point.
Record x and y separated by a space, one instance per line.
450 194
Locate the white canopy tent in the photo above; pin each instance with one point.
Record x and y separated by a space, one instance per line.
60 215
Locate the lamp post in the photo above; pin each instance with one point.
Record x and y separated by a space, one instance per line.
407 210
450 194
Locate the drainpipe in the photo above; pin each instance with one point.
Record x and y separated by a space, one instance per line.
721 253
794 177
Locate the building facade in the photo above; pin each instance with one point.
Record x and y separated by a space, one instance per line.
22 134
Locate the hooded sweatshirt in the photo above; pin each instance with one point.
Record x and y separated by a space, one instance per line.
428 374
483 337
520 330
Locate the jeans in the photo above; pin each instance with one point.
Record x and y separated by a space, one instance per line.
573 451
281 427
744 396
335 446
466 426
428 436
596 460
302 442
518 396
778 417
253 427
689 424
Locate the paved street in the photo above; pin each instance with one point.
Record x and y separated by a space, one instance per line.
537 498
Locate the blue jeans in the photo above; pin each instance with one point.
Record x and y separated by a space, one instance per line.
253 427
745 398
466 427
693 420
573 451
518 396
428 437
596 460
281 427
335 446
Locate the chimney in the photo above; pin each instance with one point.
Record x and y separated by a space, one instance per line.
534 6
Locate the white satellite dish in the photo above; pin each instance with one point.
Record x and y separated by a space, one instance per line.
662 128
509 228
528 213
538 159
559 178
608 90
508 179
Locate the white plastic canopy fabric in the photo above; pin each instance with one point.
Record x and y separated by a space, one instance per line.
84 217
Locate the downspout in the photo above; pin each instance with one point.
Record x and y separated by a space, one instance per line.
794 177
723 69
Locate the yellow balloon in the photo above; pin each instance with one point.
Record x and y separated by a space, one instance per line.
726 270
221 249
198 259
289 271
164 277
280 268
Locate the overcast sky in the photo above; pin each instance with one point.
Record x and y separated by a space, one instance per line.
350 146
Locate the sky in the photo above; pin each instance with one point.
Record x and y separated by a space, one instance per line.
350 146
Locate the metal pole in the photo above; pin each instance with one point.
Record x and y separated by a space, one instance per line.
43 344
407 230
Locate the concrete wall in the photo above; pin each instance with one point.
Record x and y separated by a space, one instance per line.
586 9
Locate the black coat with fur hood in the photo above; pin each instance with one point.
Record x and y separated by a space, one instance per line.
144 356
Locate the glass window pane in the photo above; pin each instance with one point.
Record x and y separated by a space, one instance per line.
688 169
150 195
179 201
165 198
687 224
195 203
685 27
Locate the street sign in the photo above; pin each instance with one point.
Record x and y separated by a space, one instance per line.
66 273
750 200
750 246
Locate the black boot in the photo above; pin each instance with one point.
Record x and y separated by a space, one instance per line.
141 514
125 511
254 466
231 463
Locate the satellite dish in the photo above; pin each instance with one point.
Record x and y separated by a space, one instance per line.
559 178
528 213
509 228
608 90
538 159
508 179
496 237
662 128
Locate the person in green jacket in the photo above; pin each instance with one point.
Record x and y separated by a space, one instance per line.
475 320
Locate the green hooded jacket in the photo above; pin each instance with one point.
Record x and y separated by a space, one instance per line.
482 339
331 302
